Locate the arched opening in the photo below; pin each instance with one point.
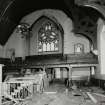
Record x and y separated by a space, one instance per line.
100 39
49 35
88 38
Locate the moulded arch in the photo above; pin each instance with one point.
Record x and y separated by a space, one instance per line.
51 19
40 22
88 38
96 7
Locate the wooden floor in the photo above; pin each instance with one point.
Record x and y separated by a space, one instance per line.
58 94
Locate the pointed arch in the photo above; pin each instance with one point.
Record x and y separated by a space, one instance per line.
50 35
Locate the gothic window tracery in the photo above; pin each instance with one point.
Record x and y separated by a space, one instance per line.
48 37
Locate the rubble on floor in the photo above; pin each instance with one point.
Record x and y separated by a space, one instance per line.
60 95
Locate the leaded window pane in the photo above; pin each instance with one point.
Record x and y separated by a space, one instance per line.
52 46
48 37
48 47
44 47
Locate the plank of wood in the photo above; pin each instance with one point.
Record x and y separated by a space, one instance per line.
99 94
91 97
85 96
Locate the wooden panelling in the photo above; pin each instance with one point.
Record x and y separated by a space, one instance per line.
61 59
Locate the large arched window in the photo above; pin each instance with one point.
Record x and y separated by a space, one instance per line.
49 37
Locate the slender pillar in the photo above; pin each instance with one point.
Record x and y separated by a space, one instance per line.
23 47
101 46
70 76
1 83
70 73
92 70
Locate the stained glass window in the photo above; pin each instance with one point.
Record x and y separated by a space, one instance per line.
78 48
48 37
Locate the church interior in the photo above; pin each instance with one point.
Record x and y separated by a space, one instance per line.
52 52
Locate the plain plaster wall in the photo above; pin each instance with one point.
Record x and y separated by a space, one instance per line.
1 51
69 38
22 46
17 43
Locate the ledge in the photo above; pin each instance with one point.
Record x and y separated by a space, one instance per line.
100 76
